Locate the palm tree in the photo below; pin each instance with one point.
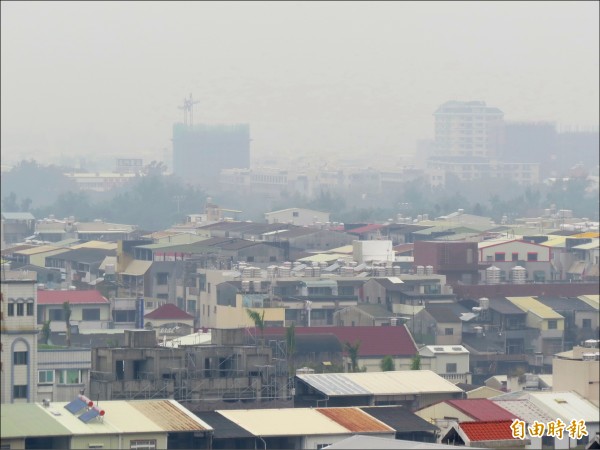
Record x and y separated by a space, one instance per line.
67 313
46 331
352 350
290 340
259 321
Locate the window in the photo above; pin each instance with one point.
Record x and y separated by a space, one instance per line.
11 309
500 256
532 256
448 331
29 309
20 391
45 376
250 259
20 309
143 444
552 324
489 258
450 367
272 258
19 358
586 323
296 214
515 256
162 278
149 305
68 376
91 314
56 315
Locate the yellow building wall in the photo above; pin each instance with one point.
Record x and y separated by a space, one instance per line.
230 317
560 324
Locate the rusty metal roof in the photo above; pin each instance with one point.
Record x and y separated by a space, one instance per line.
355 420
170 416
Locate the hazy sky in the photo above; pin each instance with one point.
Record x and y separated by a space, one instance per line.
340 77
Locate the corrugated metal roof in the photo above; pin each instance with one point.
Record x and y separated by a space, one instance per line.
355 420
19 420
592 300
324 257
170 415
18 216
39 249
566 405
535 306
406 382
97 244
284 422
224 428
400 418
108 260
359 442
481 409
589 246
525 410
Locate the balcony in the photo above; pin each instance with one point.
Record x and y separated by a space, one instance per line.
457 377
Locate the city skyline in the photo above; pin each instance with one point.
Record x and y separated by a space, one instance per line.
349 80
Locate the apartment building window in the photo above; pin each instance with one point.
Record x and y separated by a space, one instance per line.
449 331
552 324
143 444
19 358
162 278
586 323
250 259
68 376
11 309
20 391
29 309
45 376
91 314
450 367
500 256
56 315
532 256
515 256
20 309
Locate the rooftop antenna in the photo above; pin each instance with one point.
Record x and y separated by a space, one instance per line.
188 110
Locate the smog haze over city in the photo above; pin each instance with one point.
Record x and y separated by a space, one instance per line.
345 79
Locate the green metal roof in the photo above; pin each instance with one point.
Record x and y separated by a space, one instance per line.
20 420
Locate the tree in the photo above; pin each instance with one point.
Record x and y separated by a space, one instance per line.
290 340
46 331
67 313
259 321
416 363
352 350
387 364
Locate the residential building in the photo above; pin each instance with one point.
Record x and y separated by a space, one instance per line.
364 314
142 424
101 181
437 323
203 377
374 343
486 434
62 372
201 151
470 129
506 255
457 260
412 389
89 309
298 216
81 266
464 410
582 361
16 227
169 321
306 428
448 361
550 324
581 319
19 337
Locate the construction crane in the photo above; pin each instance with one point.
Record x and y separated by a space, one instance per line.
188 110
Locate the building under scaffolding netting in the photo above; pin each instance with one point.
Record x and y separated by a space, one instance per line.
201 151
232 371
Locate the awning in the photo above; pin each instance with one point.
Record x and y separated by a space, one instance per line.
137 267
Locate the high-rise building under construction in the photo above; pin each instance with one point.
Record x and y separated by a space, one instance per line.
201 151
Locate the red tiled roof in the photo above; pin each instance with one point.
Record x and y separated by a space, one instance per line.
366 228
374 341
73 297
167 312
482 409
488 431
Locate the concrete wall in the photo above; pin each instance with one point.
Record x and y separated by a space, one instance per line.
586 383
